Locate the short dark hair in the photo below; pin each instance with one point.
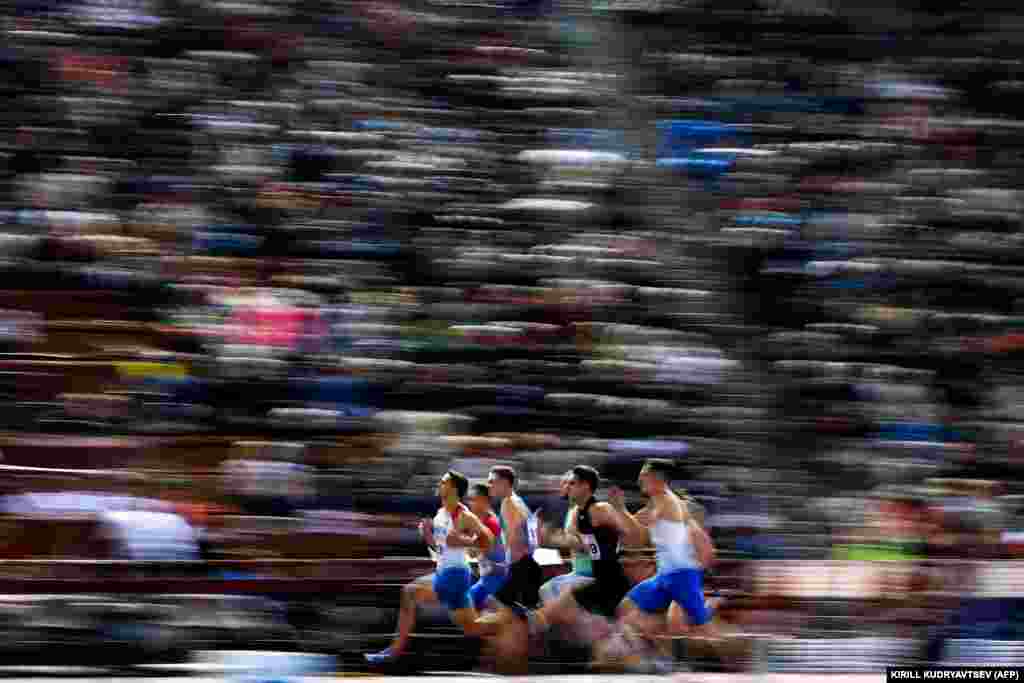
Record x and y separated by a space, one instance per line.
505 472
661 467
461 483
587 474
480 490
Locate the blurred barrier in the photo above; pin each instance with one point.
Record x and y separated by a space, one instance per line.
846 622
255 666
794 581
977 652
854 655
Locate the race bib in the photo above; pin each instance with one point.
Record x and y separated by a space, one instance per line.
440 538
591 546
533 529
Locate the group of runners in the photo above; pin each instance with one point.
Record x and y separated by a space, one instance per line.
599 603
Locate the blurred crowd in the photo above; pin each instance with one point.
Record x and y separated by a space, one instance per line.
269 268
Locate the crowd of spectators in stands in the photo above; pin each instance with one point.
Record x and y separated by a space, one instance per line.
292 260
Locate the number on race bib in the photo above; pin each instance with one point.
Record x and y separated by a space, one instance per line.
440 539
590 543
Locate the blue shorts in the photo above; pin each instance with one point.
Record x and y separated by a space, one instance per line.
485 587
682 586
451 586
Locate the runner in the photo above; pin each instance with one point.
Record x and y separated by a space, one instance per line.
493 565
506 629
682 550
582 568
638 568
597 530
453 530
519 527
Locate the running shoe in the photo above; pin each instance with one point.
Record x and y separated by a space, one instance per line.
382 657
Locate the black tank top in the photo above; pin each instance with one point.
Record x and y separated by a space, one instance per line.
600 542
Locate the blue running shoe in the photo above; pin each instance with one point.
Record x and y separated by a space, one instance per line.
383 657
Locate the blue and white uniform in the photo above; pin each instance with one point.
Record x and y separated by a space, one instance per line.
680 576
453 577
493 566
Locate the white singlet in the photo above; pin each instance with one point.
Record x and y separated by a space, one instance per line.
447 557
673 547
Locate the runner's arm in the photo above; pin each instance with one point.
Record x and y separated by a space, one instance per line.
427 532
633 531
513 524
494 527
471 534
565 539
702 543
630 530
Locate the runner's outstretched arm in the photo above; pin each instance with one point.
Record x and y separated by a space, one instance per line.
631 528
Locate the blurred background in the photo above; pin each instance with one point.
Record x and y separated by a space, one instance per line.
268 268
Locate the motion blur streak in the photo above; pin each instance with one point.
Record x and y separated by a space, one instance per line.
270 268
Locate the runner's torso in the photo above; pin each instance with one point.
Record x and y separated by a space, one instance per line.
600 543
496 559
582 565
527 532
447 557
673 548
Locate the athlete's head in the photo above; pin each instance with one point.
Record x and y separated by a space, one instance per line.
502 481
655 476
479 499
452 484
564 485
585 481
